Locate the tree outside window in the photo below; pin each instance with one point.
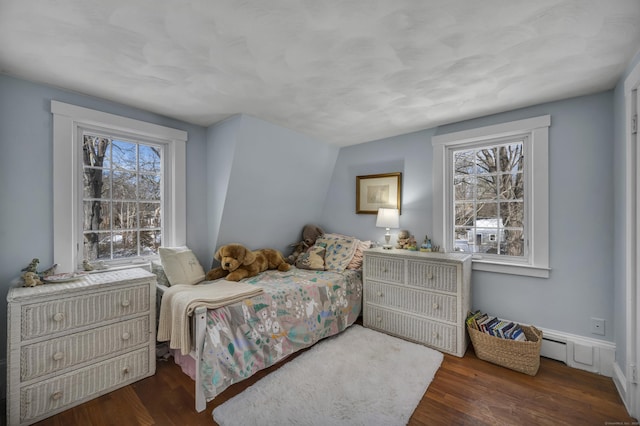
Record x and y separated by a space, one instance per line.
489 202
122 198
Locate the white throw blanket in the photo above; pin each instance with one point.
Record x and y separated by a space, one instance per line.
179 302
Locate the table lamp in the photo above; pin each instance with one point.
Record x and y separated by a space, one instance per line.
388 218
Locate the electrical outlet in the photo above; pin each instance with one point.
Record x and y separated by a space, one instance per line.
597 326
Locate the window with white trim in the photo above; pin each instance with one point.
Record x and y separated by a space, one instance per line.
491 195
119 188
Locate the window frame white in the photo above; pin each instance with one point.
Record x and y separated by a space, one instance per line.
536 148
69 122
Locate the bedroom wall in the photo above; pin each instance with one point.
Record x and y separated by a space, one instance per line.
276 182
581 212
26 171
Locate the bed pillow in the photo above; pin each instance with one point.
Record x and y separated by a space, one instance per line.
340 251
356 260
181 265
313 258
158 271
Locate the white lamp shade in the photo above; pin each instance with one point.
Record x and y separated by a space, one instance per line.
388 218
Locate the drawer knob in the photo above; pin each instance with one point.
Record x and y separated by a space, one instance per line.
379 294
56 395
125 336
430 276
436 306
435 335
125 370
379 319
58 317
58 356
125 303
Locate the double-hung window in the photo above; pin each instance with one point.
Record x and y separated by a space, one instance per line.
491 195
119 187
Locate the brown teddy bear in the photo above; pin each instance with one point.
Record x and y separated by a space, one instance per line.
238 262
310 233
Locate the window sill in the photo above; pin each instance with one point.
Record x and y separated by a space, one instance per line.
510 268
146 265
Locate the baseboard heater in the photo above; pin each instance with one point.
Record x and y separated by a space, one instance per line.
554 349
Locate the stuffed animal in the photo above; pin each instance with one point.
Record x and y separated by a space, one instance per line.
32 267
31 279
49 271
310 233
238 262
403 239
298 249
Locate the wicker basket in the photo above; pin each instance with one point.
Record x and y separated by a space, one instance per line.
522 356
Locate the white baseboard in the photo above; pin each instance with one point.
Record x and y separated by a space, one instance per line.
620 380
584 353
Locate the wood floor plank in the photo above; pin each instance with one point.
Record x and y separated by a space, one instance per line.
465 391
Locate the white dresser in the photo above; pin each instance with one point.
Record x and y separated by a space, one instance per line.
71 342
418 296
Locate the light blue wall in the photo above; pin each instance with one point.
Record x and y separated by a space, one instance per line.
277 183
409 154
26 170
581 212
221 143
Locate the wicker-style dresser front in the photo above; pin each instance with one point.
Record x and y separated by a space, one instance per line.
418 296
72 342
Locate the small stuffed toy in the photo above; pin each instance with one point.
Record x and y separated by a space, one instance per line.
31 279
49 271
298 249
32 267
403 239
310 233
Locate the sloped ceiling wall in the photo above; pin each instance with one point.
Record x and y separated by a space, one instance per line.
265 183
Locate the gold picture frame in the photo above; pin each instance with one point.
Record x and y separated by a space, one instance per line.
378 191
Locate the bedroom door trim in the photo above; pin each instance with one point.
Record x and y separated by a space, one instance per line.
632 244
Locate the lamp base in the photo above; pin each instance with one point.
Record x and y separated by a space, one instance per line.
387 238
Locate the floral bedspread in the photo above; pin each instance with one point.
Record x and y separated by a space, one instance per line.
297 309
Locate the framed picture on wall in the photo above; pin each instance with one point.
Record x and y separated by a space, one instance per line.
376 191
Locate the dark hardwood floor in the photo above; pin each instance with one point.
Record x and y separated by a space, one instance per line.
465 391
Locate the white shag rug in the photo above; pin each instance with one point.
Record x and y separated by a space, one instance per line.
359 377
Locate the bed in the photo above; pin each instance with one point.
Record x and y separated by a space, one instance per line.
295 310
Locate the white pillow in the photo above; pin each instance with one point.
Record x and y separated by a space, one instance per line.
180 265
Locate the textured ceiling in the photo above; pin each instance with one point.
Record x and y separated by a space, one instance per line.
342 71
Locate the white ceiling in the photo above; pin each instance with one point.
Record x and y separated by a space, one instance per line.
342 71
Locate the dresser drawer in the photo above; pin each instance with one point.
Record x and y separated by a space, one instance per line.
384 268
424 303
56 394
433 276
431 333
45 319
57 354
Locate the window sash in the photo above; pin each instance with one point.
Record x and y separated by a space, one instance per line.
475 174
111 200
